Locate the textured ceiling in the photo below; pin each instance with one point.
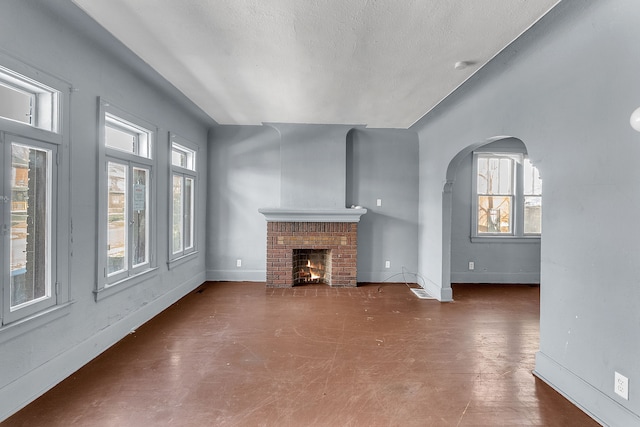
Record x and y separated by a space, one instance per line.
380 63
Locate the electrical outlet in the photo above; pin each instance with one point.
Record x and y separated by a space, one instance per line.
472 265
387 264
238 263
621 386
378 202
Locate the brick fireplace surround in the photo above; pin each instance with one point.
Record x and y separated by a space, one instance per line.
333 230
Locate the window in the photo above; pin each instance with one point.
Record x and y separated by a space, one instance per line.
496 191
126 137
29 218
508 196
183 184
26 101
32 206
126 244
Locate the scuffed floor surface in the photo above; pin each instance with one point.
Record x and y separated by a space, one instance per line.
237 354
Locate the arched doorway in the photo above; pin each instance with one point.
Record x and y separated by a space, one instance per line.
472 254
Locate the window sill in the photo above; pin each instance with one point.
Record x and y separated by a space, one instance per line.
172 263
36 320
505 239
121 285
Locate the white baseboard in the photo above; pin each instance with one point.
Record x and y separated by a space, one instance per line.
236 275
440 293
487 277
598 405
29 387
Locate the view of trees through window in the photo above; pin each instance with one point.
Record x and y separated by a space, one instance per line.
508 189
495 193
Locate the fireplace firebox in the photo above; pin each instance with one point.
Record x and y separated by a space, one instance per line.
311 266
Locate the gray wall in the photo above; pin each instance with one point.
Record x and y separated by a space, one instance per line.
495 262
383 164
566 89
55 37
244 176
272 166
312 166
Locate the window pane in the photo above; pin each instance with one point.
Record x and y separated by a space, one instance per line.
188 213
30 224
483 168
505 176
127 137
494 214
16 105
177 225
533 214
117 218
183 157
140 216
178 158
532 181
120 139
495 175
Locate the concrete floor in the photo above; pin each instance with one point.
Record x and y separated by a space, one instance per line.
237 354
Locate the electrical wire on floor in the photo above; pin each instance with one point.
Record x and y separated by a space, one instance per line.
404 277
404 274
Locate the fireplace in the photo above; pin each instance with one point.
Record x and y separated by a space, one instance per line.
312 246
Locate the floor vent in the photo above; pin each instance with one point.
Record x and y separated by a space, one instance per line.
421 293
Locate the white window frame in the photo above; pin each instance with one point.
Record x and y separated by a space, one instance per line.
142 144
49 299
517 209
142 156
47 131
45 109
189 171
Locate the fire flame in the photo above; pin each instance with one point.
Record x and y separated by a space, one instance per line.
314 276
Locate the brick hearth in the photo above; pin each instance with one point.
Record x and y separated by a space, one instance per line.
340 238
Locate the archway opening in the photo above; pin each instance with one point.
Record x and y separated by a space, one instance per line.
492 202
